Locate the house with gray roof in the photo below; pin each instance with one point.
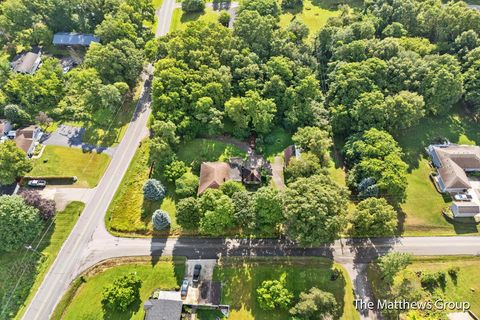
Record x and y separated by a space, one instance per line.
74 39
163 305
27 62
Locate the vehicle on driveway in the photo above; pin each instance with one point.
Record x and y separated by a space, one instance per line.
184 288
37 183
462 197
196 273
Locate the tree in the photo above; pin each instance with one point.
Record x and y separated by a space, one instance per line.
224 18
161 220
153 190
43 119
15 114
391 263
175 170
268 206
255 30
315 209
244 215
193 5
315 304
230 187
217 212
404 110
13 162
19 223
291 4
186 185
272 295
188 213
122 293
315 140
307 165
374 217
46 207
263 7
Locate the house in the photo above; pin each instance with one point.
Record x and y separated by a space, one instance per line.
453 162
455 165
249 172
163 305
74 39
27 138
289 152
27 62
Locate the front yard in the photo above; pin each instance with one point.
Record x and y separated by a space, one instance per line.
241 277
27 268
465 286
180 18
66 162
83 301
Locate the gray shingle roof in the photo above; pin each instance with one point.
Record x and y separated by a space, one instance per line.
74 39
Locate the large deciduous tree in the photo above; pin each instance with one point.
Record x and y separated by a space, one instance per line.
217 212
374 217
315 209
13 162
122 293
315 304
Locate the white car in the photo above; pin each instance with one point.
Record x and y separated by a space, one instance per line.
462 197
37 183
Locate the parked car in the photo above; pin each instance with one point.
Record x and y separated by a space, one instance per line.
196 273
462 197
184 288
37 183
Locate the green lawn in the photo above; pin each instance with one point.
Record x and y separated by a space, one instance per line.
130 214
314 14
56 161
274 143
465 288
241 277
180 18
422 209
85 302
27 268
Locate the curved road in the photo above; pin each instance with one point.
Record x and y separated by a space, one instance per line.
90 243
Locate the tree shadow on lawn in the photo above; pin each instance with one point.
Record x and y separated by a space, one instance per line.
334 4
109 314
431 130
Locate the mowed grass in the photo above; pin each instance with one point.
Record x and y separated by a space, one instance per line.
465 288
26 269
165 274
181 18
242 276
312 14
57 161
199 150
422 210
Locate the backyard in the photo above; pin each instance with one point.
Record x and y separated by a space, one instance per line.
57 161
241 277
465 286
28 268
181 18
83 300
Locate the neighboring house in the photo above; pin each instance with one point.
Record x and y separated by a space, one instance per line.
27 138
453 162
74 39
289 152
27 62
249 172
455 165
164 305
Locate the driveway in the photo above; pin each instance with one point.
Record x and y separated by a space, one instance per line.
277 173
200 294
63 196
72 137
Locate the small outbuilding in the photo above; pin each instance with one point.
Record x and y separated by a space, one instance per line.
27 62
74 39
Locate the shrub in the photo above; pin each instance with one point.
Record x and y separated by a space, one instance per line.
186 185
188 213
193 5
45 207
224 18
315 304
175 170
122 293
153 190
453 272
161 220
430 281
291 4
390 264
272 295
230 187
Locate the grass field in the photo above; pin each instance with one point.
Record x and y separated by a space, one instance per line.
86 301
422 209
180 18
275 143
27 268
313 14
199 150
466 287
62 161
241 277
